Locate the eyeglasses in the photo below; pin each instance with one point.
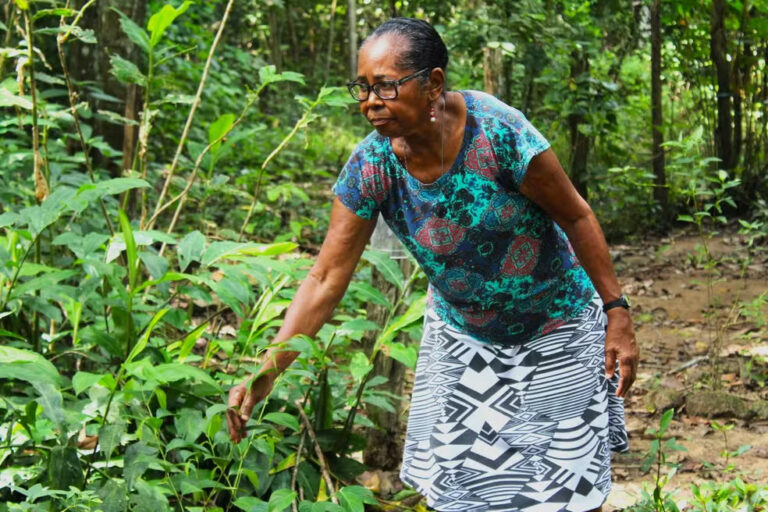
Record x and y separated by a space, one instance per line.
386 89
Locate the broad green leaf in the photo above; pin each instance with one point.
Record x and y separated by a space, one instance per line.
21 364
84 35
190 249
251 504
42 282
64 468
49 211
280 500
415 311
161 20
22 4
9 334
388 267
219 129
144 339
286 463
138 457
84 380
126 71
232 292
8 218
90 192
666 419
406 354
109 438
156 265
189 341
130 250
134 32
8 99
368 293
354 497
61 11
359 366
189 424
283 419
114 496
173 372
149 497
275 249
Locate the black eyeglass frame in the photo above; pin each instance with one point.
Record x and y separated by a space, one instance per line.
374 87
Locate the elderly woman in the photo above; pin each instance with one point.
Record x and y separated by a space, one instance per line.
517 402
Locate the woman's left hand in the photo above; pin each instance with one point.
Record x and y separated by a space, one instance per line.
621 347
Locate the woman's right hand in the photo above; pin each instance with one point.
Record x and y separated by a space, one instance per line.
242 400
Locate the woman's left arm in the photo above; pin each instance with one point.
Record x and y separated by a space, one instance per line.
547 185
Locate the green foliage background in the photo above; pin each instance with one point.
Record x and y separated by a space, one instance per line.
136 288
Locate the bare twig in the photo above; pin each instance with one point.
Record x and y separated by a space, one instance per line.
193 108
320 457
295 474
299 124
191 180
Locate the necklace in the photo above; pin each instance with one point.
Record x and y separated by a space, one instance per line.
442 150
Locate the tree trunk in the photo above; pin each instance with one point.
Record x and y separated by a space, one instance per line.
352 18
92 62
718 52
493 72
384 449
580 142
329 53
660 190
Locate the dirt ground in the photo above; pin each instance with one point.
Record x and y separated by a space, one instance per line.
672 293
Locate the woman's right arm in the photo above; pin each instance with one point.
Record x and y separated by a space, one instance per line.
310 308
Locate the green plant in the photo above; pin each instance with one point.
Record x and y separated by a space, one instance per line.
727 453
658 500
729 496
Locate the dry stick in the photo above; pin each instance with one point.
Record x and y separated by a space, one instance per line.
60 40
299 124
183 195
320 456
193 109
296 469
41 185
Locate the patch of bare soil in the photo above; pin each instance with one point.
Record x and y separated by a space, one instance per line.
688 308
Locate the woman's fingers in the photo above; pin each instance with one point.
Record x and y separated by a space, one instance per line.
234 419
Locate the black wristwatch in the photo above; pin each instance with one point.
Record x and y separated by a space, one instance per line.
621 302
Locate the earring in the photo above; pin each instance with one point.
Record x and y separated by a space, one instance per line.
432 115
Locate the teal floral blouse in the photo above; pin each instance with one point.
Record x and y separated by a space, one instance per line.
499 268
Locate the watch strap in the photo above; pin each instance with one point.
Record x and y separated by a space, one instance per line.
621 302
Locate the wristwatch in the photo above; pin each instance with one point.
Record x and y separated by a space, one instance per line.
621 302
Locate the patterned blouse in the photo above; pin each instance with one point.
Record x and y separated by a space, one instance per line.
499 268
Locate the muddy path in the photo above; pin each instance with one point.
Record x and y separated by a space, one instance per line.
688 307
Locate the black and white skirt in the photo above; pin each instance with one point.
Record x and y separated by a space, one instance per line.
526 428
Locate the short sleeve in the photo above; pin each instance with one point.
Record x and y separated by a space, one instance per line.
516 142
362 185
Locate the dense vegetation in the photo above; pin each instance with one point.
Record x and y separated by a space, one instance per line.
165 173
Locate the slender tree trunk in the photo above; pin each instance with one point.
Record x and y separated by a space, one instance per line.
493 72
329 53
352 19
384 449
718 52
92 62
580 142
657 121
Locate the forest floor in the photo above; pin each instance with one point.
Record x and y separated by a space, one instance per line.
682 312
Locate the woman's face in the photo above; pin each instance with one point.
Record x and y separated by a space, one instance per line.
410 110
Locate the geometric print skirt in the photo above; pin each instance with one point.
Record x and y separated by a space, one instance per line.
527 427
